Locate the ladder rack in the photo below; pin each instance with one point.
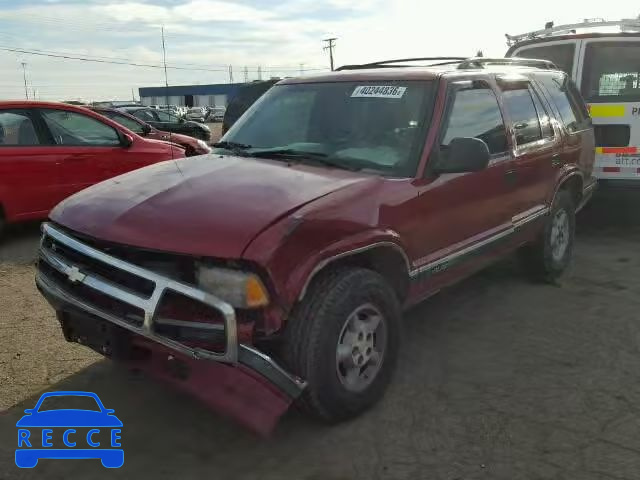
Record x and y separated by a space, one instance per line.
625 25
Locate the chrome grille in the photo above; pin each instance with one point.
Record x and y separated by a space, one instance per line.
126 294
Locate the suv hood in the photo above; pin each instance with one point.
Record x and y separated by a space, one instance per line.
209 205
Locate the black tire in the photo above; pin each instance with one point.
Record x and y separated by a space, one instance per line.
314 329
3 223
538 258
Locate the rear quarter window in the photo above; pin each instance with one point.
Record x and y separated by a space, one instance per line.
567 101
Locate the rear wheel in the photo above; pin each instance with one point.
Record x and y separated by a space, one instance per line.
549 256
343 340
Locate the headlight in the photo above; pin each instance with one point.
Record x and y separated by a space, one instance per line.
203 145
240 289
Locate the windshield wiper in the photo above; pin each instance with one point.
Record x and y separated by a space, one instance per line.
234 147
291 153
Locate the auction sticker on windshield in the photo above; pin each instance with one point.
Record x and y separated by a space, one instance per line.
378 91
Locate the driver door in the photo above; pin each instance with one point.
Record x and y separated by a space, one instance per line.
462 218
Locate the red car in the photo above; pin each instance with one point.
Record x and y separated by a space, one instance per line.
192 146
280 271
49 151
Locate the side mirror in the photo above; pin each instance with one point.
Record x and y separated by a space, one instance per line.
29 411
181 120
146 129
464 154
127 140
109 411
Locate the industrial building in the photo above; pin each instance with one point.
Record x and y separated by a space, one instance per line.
217 95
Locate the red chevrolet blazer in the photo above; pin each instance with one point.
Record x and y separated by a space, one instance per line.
280 271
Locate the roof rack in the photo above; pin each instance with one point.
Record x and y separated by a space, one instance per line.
392 63
462 62
480 62
625 25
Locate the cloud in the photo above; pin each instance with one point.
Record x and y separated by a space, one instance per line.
218 33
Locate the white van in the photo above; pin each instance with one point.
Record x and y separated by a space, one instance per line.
603 58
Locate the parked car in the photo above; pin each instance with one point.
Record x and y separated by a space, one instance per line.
242 100
192 146
197 114
337 201
604 64
49 151
216 114
169 122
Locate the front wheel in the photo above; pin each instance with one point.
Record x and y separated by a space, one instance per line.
343 340
549 256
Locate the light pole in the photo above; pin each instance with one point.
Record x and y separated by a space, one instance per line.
24 76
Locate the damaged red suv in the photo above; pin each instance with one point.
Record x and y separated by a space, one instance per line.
280 271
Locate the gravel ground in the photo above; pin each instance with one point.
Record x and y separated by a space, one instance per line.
498 379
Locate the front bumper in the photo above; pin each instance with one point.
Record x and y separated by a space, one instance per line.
66 270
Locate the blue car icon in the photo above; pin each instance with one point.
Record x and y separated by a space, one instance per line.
35 432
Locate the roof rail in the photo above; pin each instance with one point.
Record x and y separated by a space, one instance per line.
480 62
462 62
625 25
392 63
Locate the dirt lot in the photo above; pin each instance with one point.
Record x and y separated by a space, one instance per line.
499 379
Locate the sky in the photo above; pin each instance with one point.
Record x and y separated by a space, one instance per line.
283 38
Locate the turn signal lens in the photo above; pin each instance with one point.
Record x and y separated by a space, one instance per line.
256 296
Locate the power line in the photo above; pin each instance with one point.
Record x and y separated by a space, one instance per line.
114 61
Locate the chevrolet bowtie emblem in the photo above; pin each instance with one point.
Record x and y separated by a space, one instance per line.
75 275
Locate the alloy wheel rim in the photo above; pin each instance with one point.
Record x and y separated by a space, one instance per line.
559 235
361 347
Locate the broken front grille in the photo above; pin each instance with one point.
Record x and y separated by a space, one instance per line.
168 311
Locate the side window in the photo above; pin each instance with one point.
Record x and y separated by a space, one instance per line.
72 128
543 115
165 117
475 113
570 110
17 129
145 115
560 54
126 122
611 72
519 105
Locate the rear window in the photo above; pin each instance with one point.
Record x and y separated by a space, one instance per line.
611 72
561 55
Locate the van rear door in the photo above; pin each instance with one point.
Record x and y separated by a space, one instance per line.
609 79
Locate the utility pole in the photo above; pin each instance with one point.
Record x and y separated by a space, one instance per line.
133 96
301 69
166 78
331 44
24 76
230 74
246 75
259 72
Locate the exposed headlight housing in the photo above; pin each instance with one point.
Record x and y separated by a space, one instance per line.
240 289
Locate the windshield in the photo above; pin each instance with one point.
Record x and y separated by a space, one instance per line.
560 54
65 402
612 72
372 125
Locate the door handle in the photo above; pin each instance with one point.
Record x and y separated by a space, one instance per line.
511 176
